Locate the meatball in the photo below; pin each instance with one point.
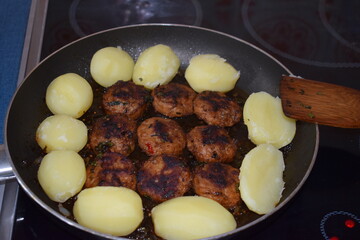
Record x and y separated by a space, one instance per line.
161 136
164 177
218 181
125 97
111 169
215 108
211 143
113 133
174 100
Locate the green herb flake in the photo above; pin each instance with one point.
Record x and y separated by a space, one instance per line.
311 115
305 106
104 146
291 88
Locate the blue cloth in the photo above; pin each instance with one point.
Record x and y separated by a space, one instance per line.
13 22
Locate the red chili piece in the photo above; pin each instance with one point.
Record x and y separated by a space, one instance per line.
150 148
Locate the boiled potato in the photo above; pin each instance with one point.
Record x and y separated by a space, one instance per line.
191 217
157 65
112 210
111 64
211 72
69 94
266 121
62 174
61 132
261 178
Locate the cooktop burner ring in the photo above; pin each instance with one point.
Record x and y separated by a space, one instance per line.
246 13
128 12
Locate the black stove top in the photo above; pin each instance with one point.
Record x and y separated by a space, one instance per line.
314 39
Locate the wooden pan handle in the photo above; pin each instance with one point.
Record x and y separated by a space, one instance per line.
318 102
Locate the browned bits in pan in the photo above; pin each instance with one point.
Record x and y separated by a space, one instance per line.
211 143
113 133
111 169
219 182
215 108
161 136
164 177
125 98
174 100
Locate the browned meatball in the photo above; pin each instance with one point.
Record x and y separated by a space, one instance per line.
211 144
215 108
164 177
111 169
125 98
174 100
161 136
113 133
218 181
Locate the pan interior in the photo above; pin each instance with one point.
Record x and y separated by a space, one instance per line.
259 72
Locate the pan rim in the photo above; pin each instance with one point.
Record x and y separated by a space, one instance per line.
72 223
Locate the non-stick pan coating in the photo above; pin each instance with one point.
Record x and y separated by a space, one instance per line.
259 72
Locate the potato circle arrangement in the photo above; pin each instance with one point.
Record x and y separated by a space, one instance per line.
119 210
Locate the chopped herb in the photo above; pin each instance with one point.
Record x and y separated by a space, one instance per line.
93 163
104 146
140 79
291 88
320 93
302 92
311 115
305 106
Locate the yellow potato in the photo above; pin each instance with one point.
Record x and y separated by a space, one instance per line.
191 217
157 65
62 174
211 72
112 210
61 132
266 121
110 64
261 178
69 94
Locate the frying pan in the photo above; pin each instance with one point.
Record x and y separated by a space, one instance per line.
259 72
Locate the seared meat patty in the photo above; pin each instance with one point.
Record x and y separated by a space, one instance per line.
215 108
173 100
218 181
161 136
211 143
125 97
164 177
113 133
111 169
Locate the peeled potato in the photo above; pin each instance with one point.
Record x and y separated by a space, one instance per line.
110 64
62 174
266 121
261 178
69 94
112 210
211 72
61 132
156 66
191 217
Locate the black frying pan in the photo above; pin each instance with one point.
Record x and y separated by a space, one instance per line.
259 72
